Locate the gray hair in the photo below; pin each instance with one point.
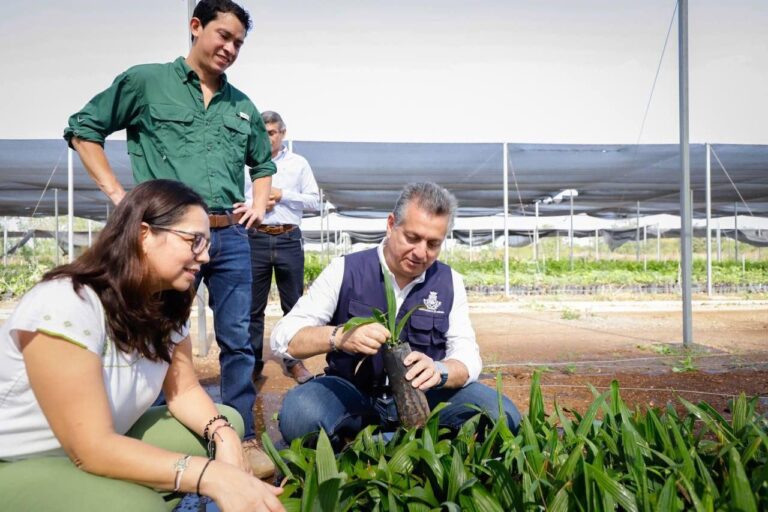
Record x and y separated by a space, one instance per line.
428 196
269 116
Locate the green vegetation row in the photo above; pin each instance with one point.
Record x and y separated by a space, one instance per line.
489 271
553 273
17 278
609 458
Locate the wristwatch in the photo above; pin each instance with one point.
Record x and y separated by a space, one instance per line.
443 374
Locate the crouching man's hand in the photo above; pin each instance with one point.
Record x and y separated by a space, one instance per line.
422 371
366 339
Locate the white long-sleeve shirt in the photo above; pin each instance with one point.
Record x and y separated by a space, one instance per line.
300 192
317 306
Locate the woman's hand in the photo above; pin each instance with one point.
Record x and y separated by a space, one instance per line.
233 490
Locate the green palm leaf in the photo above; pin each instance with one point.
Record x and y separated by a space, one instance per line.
612 488
668 500
457 476
742 496
357 321
275 456
389 291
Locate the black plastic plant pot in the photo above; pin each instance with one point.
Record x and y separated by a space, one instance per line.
412 405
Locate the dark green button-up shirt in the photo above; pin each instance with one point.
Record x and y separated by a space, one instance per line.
172 135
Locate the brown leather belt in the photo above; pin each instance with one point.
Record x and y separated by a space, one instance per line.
277 229
222 220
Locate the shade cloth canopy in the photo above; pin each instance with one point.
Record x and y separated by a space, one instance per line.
364 179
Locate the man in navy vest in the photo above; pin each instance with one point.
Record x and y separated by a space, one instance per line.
445 362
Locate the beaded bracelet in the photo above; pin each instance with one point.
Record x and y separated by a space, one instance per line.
332 338
210 422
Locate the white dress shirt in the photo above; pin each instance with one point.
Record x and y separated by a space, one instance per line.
300 192
317 306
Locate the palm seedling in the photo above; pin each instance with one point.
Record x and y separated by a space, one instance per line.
412 406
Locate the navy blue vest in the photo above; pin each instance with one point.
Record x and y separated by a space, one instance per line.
363 289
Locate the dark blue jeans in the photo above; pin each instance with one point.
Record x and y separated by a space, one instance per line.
228 278
284 255
337 406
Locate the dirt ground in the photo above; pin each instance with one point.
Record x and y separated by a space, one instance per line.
577 343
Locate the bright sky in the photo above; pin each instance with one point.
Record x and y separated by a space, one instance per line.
560 71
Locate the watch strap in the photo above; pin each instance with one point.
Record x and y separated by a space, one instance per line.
443 369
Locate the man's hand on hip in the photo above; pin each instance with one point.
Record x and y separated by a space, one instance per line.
422 372
366 339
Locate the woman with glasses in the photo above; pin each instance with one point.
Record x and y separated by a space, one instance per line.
85 354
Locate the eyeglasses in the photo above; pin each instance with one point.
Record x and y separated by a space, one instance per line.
198 243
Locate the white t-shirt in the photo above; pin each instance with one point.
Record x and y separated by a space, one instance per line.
132 382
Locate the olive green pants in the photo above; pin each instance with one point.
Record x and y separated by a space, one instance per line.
54 484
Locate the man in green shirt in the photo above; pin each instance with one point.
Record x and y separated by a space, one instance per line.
185 122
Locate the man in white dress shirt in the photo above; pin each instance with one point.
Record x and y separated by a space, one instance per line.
445 362
276 245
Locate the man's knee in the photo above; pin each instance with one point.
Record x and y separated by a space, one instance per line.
491 406
479 396
328 403
299 414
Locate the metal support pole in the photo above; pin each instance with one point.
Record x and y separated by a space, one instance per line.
536 234
658 242
506 216
736 231
557 245
322 234
570 236
5 241
470 245
686 229
709 221
327 232
637 233
597 245
645 250
56 220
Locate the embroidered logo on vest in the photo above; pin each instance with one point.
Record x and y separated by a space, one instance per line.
432 303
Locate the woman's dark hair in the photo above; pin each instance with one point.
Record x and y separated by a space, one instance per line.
115 268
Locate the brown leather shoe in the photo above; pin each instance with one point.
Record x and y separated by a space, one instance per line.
299 372
261 465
